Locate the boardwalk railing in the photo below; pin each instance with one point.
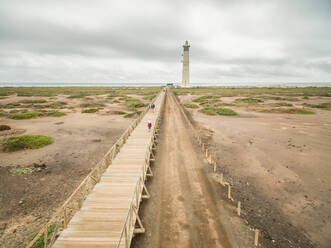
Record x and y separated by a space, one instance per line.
129 228
59 221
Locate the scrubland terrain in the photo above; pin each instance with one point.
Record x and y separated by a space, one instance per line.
78 125
273 146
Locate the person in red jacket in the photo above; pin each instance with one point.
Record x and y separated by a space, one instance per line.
149 125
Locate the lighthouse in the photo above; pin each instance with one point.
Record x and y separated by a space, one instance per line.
186 65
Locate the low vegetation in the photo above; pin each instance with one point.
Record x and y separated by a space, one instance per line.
92 105
281 104
10 105
288 111
150 97
249 100
33 101
278 98
204 98
28 141
218 111
133 114
191 105
134 103
255 91
57 104
78 92
324 105
226 111
90 110
35 114
22 171
118 112
40 242
26 115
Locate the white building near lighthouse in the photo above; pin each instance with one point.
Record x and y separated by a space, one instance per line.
186 65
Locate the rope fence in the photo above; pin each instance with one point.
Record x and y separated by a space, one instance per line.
212 161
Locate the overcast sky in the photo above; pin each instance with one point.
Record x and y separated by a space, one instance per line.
141 41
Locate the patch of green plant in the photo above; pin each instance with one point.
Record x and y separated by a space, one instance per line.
33 101
248 100
226 111
218 111
28 141
288 111
134 103
278 98
22 171
26 115
92 105
204 98
10 105
40 242
151 97
3 113
208 111
191 105
226 104
79 95
130 115
57 104
118 112
54 113
2 97
90 110
35 114
281 104
323 105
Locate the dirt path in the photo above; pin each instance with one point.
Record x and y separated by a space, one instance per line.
182 211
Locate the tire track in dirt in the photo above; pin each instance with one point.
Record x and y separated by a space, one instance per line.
182 211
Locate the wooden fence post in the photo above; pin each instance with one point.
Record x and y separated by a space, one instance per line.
256 237
45 237
238 208
221 179
65 218
229 191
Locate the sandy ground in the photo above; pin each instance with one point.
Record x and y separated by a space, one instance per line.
27 201
279 165
184 209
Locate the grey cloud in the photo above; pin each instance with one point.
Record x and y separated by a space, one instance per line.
288 41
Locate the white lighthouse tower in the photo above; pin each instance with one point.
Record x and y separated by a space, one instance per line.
186 65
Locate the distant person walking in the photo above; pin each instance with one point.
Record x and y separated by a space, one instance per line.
152 107
149 125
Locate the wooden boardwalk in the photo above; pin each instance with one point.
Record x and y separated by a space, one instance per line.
109 215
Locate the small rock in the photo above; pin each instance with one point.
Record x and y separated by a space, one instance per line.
14 231
20 202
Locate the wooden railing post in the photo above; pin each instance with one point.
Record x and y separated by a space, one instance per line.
45 237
